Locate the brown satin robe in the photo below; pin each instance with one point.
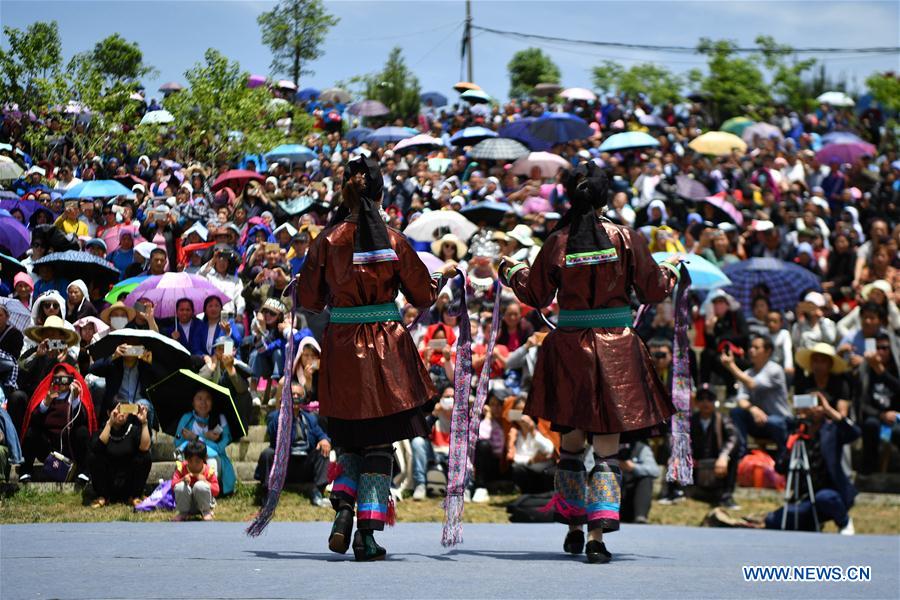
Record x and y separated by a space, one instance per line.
596 380
367 370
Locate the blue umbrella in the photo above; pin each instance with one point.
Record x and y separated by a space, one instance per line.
704 274
489 212
384 135
787 282
627 141
357 135
14 238
76 263
307 94
475 97
261 164
558 128
100 188
295 153
436 98
471 135
842 137
518 130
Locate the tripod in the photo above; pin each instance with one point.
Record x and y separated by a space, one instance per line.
797 470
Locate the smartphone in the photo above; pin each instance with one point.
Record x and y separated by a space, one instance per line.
437 344
128 409
805 401
315 365
871 345
539 336
273 247
514 415
134 350
140 307
228 348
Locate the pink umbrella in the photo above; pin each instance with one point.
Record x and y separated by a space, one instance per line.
111 236
286 84
548 163
578 93
254 81
730 210
166 290
236 179
420 140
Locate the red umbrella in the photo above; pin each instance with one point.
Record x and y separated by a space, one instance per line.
236 179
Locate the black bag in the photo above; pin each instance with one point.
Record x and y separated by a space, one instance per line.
527 509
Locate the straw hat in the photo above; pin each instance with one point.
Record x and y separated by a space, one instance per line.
52 324
461 248
522 234
104 316
838 364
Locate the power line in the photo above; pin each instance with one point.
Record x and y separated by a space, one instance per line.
684 49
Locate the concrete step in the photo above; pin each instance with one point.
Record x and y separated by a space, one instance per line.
247 448
163 470
246 451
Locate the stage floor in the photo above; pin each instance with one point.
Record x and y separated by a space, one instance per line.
291 560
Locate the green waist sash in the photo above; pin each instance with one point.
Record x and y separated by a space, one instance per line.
598 317
372 313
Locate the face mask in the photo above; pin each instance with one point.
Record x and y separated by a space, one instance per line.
447 403
118 322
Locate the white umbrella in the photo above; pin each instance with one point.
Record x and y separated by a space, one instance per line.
286 84
578 93
9 169
835 99
157 117
418 140
19 316
423 228
549 164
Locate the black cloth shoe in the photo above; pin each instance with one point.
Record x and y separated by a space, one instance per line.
597 553
574 543
365 548
339 540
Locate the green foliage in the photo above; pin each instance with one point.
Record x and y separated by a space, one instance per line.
294 31
32 59
527 68
885 88
660 84
787 81
395 86
734 84
114 58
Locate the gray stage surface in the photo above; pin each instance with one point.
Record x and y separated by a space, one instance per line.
215 560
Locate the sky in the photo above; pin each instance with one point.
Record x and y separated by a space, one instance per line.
173 35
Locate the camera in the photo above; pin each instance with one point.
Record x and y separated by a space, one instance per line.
56 345
62 380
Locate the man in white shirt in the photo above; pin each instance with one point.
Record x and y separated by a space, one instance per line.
531 455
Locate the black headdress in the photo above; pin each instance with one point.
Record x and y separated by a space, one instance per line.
587 188
371 243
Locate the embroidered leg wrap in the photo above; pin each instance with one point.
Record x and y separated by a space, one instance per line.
345 478
604 494
374 502
568 501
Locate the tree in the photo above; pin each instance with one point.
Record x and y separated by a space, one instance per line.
660 84
294 31
787 77
28 65
885 88
527 68
395 86
114 58
734 84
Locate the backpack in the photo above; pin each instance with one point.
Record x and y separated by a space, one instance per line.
757 469
527 509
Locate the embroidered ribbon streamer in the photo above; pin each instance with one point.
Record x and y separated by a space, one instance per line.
464 420
283 442
681 461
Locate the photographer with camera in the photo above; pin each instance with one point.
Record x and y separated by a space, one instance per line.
120 456
128 372
221 271
825 432
762 409
725 329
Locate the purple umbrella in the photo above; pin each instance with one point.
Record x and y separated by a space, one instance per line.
166 290
28 207
13 236
692 189
726 208
254 81
763 131
431 261
844 153
368 108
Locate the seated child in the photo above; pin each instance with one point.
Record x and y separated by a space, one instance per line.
195 483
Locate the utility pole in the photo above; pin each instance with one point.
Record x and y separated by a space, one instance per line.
469 38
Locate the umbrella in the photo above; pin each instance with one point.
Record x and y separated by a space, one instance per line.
385 135
254 81
98 188
285 84
236 179
110 236
628 141
577 93
9 266
763 131
736 125
358 134
302 205
835 99
498 149
488 211
717 143
725 210
844 153
15 239
704 274
136 96
423 229
518 130
471 135
436 98
462 86
20 316
335 96
368 108
549 164
81 264
173 397
418 141
432 262
842 137
475 97
295 153
546 89
125 286
307 94
129 180
167 353
690 188
51 237
9 169
652 121
170 87
157 117
558 128
166 290
787 282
